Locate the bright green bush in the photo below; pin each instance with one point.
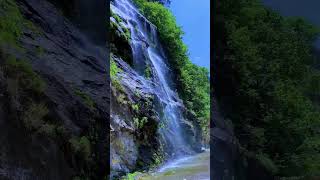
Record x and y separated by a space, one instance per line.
140 122
131 176
121 99
114 70
116 17
135 107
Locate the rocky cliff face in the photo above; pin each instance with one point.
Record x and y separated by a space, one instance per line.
143 104
134 123
54 96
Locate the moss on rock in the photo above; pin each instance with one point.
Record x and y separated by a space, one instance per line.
120 39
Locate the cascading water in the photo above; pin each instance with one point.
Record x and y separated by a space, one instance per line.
147 51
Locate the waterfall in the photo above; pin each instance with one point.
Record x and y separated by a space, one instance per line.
147 51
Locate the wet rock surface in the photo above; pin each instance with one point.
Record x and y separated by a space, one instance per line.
223 146
132 147
67 61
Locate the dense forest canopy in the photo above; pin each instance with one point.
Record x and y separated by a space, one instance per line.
274 89
164 2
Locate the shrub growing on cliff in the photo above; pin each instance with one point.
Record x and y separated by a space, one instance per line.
148 72
86 98
34 116
135 107
81 146
23 73
48 130
114 70
139 122
11 22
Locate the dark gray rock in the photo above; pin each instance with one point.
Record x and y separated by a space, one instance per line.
192 131
131 146
223 146
67 59
228 159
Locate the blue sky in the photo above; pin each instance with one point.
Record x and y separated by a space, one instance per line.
194 17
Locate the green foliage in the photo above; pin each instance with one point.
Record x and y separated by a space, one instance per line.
116 83
34 119
162 125
131 176
86 98
26 77
27 88
127 33
273 106
48 130
135 107
158 159
81 146
148 72
122 99
116 17
267 162
120 146
119 24
120 38
309 156
192 80
196 89
11 22
140 122
137 93
34 116
114 70
40 50
118 28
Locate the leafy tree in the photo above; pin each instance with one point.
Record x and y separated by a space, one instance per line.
273 104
